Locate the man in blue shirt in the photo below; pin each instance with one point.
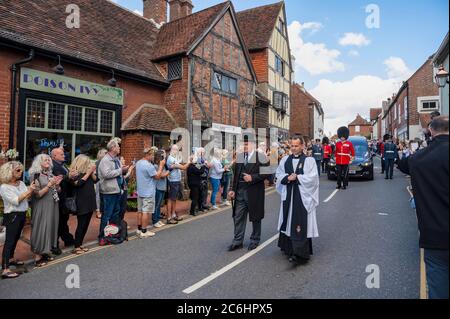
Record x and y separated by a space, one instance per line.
146 177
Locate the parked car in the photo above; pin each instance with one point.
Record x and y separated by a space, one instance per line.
362 165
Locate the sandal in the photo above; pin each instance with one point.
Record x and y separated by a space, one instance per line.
84 249
10 275
17 263
40 263
77 251
178 219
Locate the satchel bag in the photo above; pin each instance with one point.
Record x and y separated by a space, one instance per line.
71 204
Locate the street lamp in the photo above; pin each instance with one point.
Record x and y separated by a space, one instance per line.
442 77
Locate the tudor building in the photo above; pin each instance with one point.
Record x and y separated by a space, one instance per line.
119 74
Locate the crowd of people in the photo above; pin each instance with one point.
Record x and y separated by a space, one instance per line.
86 188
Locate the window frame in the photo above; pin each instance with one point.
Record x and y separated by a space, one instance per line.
230 88
172 62
428 99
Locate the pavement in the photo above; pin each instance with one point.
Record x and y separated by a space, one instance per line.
368 226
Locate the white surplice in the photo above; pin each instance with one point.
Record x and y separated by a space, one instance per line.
309 191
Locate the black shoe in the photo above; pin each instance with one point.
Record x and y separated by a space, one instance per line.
391 178
386 178
338 187
252 246
56 251
194 214
235 247
345 187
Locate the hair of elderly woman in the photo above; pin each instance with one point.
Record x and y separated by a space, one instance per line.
101 153
36 166
81 164
6 171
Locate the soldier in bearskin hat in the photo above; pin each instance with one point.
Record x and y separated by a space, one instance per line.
327 152
344 155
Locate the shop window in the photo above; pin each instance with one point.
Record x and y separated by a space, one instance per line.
44 142
74 118
175 70
106 122
91 120
56 116
36 114
90 144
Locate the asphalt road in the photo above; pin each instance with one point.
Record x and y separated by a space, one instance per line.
370 223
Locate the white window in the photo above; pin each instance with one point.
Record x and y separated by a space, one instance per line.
395 112
428 103
399 113
357 129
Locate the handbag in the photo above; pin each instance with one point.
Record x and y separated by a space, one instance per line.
71 204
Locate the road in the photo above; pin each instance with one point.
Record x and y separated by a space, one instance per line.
370 223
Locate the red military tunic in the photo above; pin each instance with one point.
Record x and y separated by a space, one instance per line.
327 151
344 152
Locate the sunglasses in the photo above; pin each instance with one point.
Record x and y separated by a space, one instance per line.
19 170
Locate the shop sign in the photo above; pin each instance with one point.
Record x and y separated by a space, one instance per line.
58 84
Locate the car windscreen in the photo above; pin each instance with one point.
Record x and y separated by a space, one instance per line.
361 149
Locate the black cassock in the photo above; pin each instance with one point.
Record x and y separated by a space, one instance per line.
298 244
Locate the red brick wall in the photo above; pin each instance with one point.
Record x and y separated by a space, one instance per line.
260 60
302 116
135 93
364 130
138 141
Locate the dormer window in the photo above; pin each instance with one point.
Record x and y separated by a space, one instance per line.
175 70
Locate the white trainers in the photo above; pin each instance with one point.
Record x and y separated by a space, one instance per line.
146 234
227 203
214 207
158 225
138 232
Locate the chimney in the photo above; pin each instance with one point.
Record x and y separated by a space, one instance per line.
156 10
180 9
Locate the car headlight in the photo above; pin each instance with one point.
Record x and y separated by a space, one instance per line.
366 164
332 164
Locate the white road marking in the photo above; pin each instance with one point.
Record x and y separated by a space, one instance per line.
383 214
331 196
220 272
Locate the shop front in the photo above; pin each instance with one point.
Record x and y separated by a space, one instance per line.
56 111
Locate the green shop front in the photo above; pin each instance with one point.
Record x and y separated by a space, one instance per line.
56 110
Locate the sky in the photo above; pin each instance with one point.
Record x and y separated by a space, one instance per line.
353 54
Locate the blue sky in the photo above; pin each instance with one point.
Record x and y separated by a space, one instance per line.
336 66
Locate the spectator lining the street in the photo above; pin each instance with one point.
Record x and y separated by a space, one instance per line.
429 170
146 177
216 175
126 180
15 197
45 209
161 188
99 198
175 168
85 198
110 174
226 177
194 178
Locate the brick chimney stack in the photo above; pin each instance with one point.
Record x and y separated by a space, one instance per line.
180 9
156 10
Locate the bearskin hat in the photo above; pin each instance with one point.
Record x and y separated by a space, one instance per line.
343 132
325 140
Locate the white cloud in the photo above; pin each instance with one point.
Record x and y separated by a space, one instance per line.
356 39
396 68
315 58
137 11
342 101
353 53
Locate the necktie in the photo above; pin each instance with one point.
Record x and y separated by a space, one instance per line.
245 158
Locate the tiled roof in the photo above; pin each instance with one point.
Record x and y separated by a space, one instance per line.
177 37
359 121
150 117
109 35
257 25
374 113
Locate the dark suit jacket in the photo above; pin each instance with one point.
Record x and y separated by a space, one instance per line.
429 170
66 187
256 188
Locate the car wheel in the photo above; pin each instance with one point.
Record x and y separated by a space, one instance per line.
370 178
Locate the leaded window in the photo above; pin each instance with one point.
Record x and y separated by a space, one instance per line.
56 116
91 120
175 70
36 114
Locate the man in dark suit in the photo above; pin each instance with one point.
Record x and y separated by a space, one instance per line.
429 170
58 159
248 193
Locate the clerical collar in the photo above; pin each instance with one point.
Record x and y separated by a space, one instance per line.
296 156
